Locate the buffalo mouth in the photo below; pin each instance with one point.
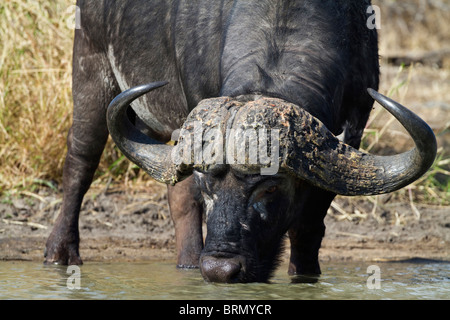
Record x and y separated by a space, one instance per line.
233 267
223 267
306 148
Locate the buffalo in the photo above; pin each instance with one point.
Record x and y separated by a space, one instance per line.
255 94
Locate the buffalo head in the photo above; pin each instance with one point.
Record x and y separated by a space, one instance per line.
250 197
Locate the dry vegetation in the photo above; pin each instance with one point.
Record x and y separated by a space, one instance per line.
415 68
35 93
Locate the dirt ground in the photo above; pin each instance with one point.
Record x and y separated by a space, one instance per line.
117 225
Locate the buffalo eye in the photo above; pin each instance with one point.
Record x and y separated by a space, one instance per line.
271 189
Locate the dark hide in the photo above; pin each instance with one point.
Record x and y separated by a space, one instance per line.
319 55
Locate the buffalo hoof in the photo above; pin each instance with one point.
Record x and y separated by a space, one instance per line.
63 257
62 253
312 268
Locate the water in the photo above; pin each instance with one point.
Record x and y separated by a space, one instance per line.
161 280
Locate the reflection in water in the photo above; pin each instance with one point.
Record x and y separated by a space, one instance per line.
305 279
162 280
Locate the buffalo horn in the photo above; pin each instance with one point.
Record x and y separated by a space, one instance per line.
151 155
335 166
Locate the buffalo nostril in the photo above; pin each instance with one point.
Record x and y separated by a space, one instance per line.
220 269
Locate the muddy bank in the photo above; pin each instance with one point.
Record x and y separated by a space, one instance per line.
116 225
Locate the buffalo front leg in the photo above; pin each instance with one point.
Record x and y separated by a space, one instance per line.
307 231
186 213
93 89
81 162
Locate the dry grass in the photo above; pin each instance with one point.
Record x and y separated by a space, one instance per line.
409 28
35 93
36 103
413 25
414 28
384 135
35 82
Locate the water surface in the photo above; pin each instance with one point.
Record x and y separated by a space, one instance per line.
161 280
